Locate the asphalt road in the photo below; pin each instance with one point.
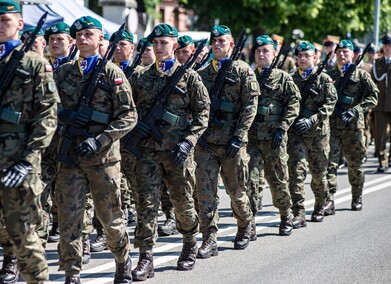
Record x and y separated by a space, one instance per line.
349 247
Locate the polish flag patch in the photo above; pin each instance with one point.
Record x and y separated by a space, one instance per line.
48 68
118 81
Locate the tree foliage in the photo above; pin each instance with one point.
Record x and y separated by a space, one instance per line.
316 18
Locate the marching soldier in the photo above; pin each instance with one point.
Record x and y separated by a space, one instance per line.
169 160
97 158
308 139
21 148
278 107
148 57
186 48
39 43
329 43
225 152
347 125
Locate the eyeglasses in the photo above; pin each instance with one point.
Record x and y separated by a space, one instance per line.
306 56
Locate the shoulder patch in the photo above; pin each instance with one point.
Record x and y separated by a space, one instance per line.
254 86
123 97
118 81
250 72
48 68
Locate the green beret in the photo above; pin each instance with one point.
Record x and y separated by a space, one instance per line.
219 31
345 43
386 39
126 35
105 36
304 46
57 28
184 41
141 43
28 32
85 22
9 7
162 30
264 40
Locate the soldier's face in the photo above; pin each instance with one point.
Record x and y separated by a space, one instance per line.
184 53
124 51
329 48
10 25
39 45
103 46
222 46
148 56
344 56
306 59
87 41
164 47
59 44
387 50
372 56
264 55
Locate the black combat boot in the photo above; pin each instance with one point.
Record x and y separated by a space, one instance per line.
242 238
72 280
9 273
253 231
168 228
123 274
286 225
86 252
207 249
188 255
357 203
54 234
317 214
329 208
144 268
299 221
99 244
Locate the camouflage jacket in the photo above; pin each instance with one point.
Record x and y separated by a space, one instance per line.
243 96
381 74
117 103
360 93
278 106
191 108
36 98
319 106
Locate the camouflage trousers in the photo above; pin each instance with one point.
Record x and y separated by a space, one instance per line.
153 169
72 185
352 142
234 173
314 150
20 210
256 180
276 173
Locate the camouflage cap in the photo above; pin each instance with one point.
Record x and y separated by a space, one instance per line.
304 46
141 43
126 35
263 40
386 39
345 43
162 30
219 30
57 28
9 6
105 36
184 41
85 22
28 32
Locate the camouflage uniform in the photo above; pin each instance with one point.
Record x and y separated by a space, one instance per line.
36 98
99 172
243 95
155 165
360 94
277 108
313 145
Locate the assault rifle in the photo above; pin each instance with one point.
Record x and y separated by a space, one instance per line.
285 52
72 54
157 112
204 59
12 68
94 81
129 71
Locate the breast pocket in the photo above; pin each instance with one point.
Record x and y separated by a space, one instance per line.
69 87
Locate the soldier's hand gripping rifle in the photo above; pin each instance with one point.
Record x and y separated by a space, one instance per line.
343 82
12 68
157 112
94 81
129 71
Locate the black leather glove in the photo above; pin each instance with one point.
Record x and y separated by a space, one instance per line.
277 136
233 148
304 124
141 129
181 152
72 118
87 147
349 115
16 174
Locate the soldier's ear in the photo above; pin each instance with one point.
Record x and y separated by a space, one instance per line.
175 46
